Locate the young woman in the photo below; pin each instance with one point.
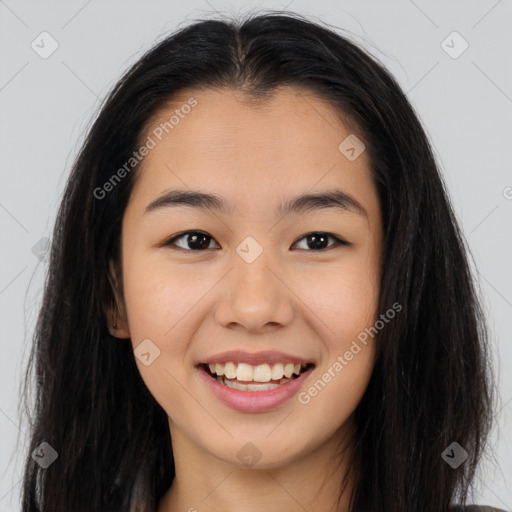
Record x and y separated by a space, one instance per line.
258 295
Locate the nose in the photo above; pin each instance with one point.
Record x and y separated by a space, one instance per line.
254 298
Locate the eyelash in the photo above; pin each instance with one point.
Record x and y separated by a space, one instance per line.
339 241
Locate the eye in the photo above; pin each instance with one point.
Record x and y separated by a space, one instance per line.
319 238
198 241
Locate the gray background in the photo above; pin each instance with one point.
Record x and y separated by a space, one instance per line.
46 105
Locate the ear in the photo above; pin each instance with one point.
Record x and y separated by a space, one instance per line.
116 313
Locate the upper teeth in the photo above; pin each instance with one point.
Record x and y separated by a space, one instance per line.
260 373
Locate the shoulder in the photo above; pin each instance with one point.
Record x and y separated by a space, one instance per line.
475 508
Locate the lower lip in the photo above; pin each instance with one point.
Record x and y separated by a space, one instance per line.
254 401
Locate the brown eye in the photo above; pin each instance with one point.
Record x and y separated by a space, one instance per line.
194 241
318 241
198 241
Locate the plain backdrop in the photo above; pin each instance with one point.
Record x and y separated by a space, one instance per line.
46 105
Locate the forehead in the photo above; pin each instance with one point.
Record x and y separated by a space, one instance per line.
290 122
282 146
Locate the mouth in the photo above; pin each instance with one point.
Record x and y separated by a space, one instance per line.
253 378
254 382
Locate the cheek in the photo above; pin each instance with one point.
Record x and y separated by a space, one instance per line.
157 296
347 306
157 310
345 297
346 300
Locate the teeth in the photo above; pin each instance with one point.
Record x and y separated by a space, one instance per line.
250 387
260 373
277 371
244 372
229 370
288 370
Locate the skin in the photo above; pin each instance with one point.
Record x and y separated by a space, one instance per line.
292 298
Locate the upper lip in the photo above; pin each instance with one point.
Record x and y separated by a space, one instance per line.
255 358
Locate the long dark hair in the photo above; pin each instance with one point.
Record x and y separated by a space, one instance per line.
431 385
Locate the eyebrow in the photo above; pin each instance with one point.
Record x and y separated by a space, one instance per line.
330 199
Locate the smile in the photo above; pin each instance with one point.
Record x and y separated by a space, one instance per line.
247 377
254 382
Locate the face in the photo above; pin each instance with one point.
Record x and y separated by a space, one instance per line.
254 282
